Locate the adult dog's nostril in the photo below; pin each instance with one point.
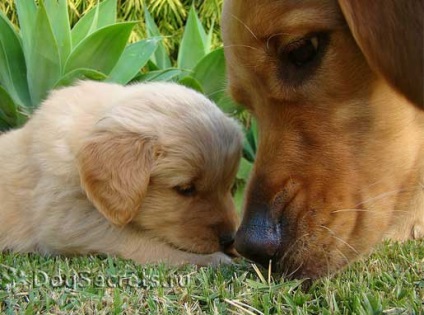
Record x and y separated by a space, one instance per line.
258 237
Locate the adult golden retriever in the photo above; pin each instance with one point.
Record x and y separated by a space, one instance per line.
337 90
143 171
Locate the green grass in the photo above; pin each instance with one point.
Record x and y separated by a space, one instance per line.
390 281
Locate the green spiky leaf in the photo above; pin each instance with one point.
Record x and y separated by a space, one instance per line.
101 15
192 83
193 44
80 74
12 63
159 75
8 110
57 11
102 49
27 12
43 62
160 58
134 57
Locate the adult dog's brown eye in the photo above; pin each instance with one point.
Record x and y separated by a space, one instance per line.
302 51
299 59
186 190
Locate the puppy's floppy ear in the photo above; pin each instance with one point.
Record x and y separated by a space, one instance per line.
390 35
115 172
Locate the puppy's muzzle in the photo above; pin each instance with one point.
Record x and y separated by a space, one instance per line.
259 236
226 242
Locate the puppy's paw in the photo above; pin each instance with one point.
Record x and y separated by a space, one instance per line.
214 259
417 231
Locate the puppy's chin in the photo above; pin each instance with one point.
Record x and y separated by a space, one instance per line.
190 243
195 240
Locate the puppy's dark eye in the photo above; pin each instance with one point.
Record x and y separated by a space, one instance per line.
302 51
188 190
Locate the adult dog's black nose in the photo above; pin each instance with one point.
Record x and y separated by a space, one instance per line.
259 235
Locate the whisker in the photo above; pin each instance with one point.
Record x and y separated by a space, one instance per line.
290 248
379 197
376 198
339 239
295 270
245 25
272 36
376 183
386 194
244 46
343 255
327 263
216 92
365 210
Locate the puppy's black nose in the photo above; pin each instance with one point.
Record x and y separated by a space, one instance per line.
226 241
258 237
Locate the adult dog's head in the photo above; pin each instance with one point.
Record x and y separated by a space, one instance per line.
336 89
162 159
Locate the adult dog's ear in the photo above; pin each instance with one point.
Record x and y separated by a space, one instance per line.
115 172
390 35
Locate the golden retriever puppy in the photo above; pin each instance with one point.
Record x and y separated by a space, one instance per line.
143 172
337 90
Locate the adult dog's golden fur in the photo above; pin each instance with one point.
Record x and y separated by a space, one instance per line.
143 172
340 163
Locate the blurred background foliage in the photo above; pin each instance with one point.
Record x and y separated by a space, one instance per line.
169 15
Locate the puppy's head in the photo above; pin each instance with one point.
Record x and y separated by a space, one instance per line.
163 160
340 151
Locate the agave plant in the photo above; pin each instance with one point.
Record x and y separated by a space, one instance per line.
170 16
197 65
46 53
